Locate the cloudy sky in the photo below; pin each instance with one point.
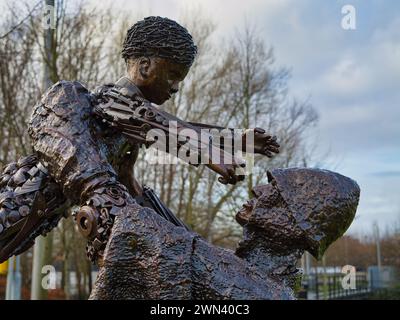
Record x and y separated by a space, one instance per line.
351 76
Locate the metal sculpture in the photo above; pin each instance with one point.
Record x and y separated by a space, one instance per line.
85 147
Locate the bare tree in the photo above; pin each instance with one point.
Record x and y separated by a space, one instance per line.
16 94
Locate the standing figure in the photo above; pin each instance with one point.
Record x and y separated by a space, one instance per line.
86 144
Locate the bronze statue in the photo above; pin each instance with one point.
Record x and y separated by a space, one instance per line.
300 209
83 141
86 144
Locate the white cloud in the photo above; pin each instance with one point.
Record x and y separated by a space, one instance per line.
347 77
366 67
350 114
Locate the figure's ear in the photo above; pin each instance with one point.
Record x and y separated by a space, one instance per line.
144 67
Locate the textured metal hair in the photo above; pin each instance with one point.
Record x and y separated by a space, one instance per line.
159 37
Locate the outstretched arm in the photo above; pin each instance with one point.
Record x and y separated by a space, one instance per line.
141 122
263 143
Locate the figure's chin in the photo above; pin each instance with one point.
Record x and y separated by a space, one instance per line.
241 218
156 101
160 99
159 102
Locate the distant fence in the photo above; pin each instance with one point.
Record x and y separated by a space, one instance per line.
319 286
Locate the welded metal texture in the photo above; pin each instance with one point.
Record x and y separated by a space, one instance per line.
84 153
160 37
96 217
121 107
31 204
83 156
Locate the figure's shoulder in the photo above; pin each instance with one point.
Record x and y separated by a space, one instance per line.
67 86
64 100
65 92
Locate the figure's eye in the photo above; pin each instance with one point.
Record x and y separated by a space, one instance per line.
174 75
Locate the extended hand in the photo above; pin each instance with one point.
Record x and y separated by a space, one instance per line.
227 172
263 143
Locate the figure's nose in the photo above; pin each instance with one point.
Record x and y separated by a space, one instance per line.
257 191
174 87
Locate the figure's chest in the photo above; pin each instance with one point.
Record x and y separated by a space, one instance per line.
112 144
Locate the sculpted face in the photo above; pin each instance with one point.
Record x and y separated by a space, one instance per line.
157 78
268 213
244 214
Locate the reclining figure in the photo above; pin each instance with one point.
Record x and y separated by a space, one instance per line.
300 209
